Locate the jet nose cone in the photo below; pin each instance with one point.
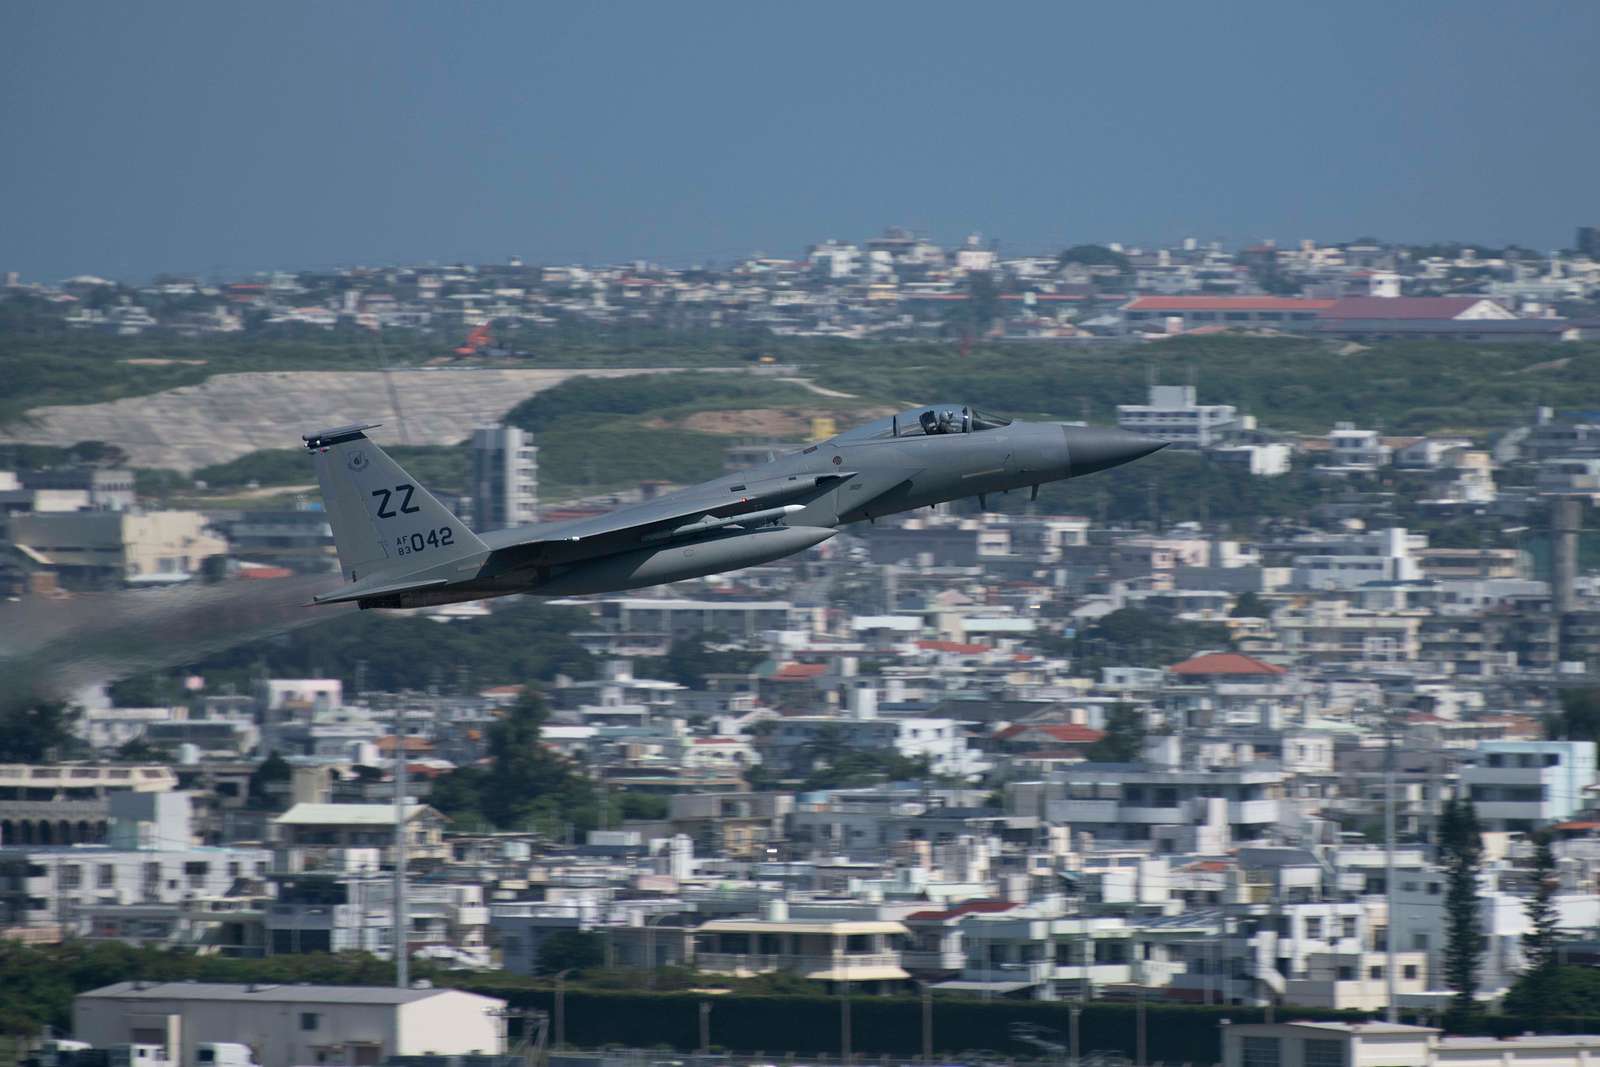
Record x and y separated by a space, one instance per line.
1097 448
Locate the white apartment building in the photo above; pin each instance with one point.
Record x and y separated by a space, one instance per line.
1174 414
355 913
151 861
1361 559
1420 920
1523 785
1353 449
942 742
1333 632
505 478
1135 802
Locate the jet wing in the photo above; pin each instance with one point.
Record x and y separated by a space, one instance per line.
689 511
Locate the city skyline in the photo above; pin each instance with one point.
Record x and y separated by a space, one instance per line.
190 139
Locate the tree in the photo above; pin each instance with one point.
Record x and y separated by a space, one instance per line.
1461 853
1248 605
1539 978
1539 946
272 769
34 733
1579 717
1124 738
526 786
571 950
1563 989
1096 256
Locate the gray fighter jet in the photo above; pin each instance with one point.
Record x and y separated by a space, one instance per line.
400 548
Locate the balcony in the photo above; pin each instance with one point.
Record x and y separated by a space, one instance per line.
933 959
1161 816
1253 811
869 964
1083 811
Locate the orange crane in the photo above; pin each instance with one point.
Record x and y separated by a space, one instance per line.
478 339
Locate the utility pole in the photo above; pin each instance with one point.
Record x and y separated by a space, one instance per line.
1074 1013
705 1027
402 962
844 1023
927 1024
1139 1037
1392 1011
561 1008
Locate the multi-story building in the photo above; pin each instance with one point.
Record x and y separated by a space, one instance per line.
317 835
69 803
1174 414
1525 785
355 913
99 548
1139 802
505 478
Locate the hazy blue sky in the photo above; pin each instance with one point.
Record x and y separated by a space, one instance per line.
236 136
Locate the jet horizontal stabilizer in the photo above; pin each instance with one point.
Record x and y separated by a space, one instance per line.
361 591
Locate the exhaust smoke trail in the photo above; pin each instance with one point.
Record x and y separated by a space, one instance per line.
50 649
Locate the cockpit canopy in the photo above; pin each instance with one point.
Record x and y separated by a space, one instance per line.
927 421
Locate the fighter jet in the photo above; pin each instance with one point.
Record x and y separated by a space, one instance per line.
400 548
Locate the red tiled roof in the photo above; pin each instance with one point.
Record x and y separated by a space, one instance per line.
953 646
1224 663
1068 733
1577 824
1400 307
1208 865
969 907
413 744
1227 303
799 672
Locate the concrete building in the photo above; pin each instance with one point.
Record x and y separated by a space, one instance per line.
285 1025
1329 1044
355 913
146 883
1138 802
311 835
64 804
863 953
1176 314
505 478
97 548
1174 414
1524 785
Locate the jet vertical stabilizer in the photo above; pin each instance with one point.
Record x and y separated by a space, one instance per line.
386 526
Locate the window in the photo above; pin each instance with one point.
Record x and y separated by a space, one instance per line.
1433 889
1375 972
1314 929
1261 1052
1320 1052
1347 926
309 1020
71 876
106 877
1410 970
1347 973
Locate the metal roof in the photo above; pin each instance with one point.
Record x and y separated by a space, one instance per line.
267 992
345 814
